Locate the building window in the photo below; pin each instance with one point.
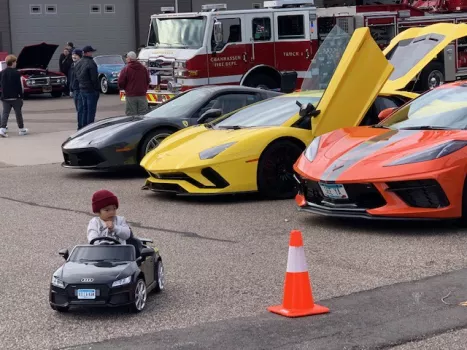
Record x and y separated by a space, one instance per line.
256 5
35 9
291 27
109 8
95 9
261 29
51 9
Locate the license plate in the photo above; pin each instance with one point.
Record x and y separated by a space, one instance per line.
47 89
86 294
334 191
154 78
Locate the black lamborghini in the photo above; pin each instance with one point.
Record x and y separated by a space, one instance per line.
106 275
119 142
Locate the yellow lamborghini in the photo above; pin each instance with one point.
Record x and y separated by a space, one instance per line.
254 148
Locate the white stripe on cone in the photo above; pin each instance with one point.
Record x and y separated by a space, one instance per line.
296 261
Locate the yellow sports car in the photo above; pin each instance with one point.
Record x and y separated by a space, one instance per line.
254 149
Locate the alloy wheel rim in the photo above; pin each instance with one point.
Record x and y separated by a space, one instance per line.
160 275
104 85
435 79
155 142
140 295
279 170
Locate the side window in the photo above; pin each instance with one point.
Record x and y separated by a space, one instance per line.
228 103
291 27
232 32
261 29
380 104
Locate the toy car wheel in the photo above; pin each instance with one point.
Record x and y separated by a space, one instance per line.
60 308
159 276
140 296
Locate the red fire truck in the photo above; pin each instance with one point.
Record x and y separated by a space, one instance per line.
255 47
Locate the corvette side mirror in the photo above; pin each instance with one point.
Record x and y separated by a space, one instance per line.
386 113
64 253
209 114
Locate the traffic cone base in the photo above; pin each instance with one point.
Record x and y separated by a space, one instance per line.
315 310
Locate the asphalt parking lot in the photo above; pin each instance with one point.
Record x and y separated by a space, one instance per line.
387 284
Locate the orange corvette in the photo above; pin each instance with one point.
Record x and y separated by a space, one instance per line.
412 165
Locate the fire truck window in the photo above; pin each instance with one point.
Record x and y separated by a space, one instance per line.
261 29
291 27
232 32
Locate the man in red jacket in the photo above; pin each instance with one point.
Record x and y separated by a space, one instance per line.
134 79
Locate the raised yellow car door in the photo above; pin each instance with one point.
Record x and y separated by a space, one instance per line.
357 80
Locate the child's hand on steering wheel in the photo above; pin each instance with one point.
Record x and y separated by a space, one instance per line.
110 225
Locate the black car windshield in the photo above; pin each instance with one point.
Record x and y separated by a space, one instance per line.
179 106
177 32
272 112
109 60
103 253
407 53
442 108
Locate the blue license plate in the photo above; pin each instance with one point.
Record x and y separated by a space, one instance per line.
86 294
334 191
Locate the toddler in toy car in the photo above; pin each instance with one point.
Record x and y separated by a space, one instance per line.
107 223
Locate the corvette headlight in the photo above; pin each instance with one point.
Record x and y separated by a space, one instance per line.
122 282
57 282
312 149
432 153
214 151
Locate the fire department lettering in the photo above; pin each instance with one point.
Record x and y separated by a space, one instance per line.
293 54
225 61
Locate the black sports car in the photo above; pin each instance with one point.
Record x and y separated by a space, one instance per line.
106 275
123 141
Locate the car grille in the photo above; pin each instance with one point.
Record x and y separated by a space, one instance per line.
209 173
163 68
361 196
84 158
420 193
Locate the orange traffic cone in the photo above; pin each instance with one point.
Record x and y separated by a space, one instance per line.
298 297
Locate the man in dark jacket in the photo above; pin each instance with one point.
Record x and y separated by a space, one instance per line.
134 79
65 63
74 86
86 73
12 96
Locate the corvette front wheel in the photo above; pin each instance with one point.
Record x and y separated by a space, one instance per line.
275 170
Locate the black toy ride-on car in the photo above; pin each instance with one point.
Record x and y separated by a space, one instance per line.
108 274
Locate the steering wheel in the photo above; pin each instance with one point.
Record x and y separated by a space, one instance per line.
110 239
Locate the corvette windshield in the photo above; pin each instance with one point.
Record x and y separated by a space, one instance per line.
442 108
273 112
178 106
103 253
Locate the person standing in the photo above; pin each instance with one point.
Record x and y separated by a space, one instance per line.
86 73
134 79
65 63
74 87
12 96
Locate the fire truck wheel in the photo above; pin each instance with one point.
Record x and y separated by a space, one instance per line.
261 81
275 169
432 76
152 140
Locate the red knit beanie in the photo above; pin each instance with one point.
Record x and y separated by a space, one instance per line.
103 198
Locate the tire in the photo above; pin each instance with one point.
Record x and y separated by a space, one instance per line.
60 308
56 94
463 219
104 85
159 276
147 144
141 294
261 81
275 170
432 76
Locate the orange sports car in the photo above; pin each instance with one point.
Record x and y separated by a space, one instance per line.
412 165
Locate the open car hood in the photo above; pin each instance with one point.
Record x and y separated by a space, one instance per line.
413 49
36 56
354 83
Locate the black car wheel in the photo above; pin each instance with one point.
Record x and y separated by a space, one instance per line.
59 308
140 296
152 140
275 170
159 276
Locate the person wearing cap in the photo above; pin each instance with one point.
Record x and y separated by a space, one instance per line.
134 79
74 87
107 223
86 73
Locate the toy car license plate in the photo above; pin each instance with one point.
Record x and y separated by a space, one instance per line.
47 89
334 191
86 294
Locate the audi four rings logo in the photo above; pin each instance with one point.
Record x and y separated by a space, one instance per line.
87 279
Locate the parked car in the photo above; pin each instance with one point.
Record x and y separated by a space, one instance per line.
123 141
109 67
32 64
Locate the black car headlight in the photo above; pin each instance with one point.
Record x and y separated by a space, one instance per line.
122 282
58 282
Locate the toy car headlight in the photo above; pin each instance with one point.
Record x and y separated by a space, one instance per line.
214 151
432 153
57 282
122 282
312 149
